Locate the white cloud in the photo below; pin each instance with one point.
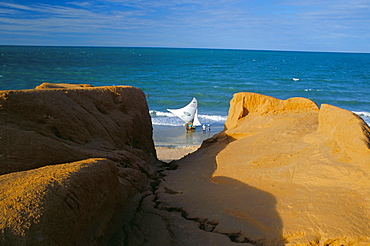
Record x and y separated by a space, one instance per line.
286 23
81 4
49 18
15 6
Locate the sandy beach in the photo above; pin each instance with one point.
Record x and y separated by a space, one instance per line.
168 154
174 142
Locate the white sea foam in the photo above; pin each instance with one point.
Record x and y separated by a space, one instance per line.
214 118
155 113
364 115
167 118
164 118
312 90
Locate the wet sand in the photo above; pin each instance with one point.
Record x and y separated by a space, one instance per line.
174 142
177 136
168 154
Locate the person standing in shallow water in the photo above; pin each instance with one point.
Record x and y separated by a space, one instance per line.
204 127
209 127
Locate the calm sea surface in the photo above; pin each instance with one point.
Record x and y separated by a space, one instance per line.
172 77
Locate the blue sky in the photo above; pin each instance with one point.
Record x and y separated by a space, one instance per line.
307 25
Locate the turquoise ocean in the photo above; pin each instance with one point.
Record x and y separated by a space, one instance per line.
171 77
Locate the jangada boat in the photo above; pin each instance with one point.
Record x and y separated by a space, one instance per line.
189 114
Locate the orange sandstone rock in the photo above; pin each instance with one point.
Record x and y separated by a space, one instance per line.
67 204
283 172
51 126
246 103
61 85
72 157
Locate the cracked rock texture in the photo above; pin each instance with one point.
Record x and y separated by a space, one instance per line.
78 167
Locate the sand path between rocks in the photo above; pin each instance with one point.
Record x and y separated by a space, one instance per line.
168 154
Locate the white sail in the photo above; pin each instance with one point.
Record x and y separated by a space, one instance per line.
196 121
187 113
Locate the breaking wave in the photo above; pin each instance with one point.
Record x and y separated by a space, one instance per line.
168 119
364 115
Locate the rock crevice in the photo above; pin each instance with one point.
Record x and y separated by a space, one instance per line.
78 167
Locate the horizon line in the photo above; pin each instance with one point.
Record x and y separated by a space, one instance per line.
174 47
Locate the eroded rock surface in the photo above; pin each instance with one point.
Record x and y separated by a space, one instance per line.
50 126
284 172
72 157
66 204
78 169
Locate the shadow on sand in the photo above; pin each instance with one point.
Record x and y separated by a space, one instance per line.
221 204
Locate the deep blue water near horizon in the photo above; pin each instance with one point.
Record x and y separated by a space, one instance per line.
171 77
